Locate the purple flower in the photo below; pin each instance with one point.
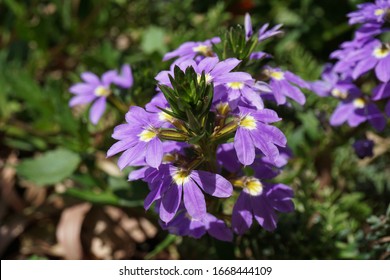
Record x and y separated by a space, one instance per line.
191 50
93 90
184 225
245 92
332 84
356 110
370 12
260 200
138 139
364 148
284 84
373 55
169 184
382 91
254 132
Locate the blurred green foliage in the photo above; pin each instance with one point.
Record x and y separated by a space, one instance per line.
45 45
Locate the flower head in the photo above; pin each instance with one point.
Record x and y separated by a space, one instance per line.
170 185
259 200
138 140
254 131
285 84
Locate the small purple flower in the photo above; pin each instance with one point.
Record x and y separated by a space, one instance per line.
184 225
370 12
364 148
332 85
93 90
260 200
373 55
285 84
246 92
191 50
356 110
138 138
254 131
172 183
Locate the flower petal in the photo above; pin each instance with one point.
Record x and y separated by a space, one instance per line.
154 152
213 184
194 200
243 144
97 110
242 214
170 202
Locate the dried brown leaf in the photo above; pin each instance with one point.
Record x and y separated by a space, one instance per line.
69 229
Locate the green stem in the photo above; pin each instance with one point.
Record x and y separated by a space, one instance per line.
117 104
160 247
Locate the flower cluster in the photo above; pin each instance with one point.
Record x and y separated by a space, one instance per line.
359 62
206 137
96 90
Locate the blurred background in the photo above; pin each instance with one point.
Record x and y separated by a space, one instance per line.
62 199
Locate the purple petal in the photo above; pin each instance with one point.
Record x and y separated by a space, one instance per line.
121 146
387 109
138 174
277 91
382 70
267 116
81 99
381 91
225 66
375 117
341 114
272 133
233 77
109 77
132 154
208 64
125 79
244 147
194 200
90 78
170 202
82 89
213 184
363 66
264 213
242 216
248 26
97 110
154 152
218 229
268 148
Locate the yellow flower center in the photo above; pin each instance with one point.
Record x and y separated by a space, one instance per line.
236 85
102 91
277 75
381 52
253 186
181 177
203 50
359 103
248 122
339 93
147 135
379 12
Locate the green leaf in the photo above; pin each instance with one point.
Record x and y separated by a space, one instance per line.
50 168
